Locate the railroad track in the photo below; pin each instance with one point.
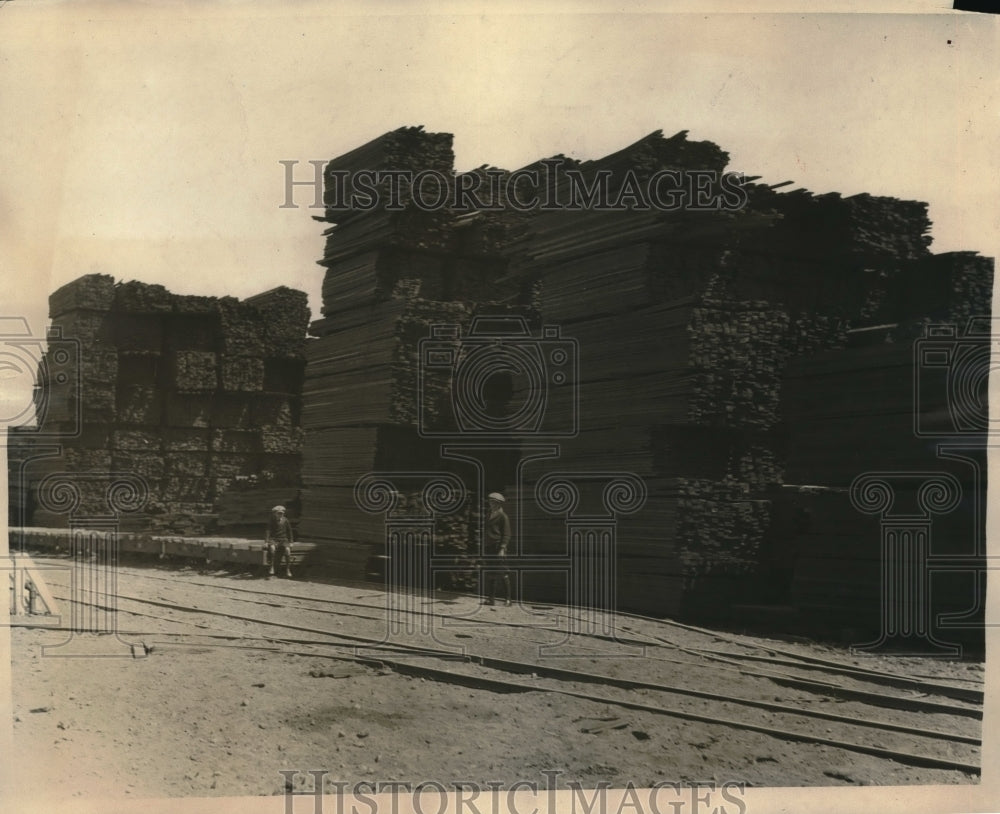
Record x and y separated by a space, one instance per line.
930 731
796 665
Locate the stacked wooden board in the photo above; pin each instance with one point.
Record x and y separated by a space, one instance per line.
907 396
892 411
391 277
676 335
679 382
744 362
681 389
198 396
682 323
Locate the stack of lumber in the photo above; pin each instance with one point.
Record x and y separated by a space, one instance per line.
831 556
655 152
704 362
456 547
672 451
193 394
626 177
391 277
374 253
89 490
949 288
361 413
84 331
242 510
579 231
686 322
694 536
852 411
563 236
408 149
828 256
367 372
691 328
365 245
621 279
283 311
488 232
876 228
676 384
884 408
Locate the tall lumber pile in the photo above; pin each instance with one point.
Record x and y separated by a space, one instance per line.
861 267
679 379
878 406
390 277
687 326
683 392
915 403
686 323
197 395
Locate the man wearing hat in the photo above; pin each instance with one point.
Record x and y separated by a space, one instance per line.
497 540
278 538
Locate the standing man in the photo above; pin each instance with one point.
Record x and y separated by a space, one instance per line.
278 538
497 540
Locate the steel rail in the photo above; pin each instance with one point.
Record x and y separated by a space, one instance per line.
561 674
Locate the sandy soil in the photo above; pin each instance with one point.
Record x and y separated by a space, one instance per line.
223 717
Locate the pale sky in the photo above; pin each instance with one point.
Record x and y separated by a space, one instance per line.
143 139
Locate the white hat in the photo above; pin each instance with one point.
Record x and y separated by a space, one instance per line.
278 509
497 497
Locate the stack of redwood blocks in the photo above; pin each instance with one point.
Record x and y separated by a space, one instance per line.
198 396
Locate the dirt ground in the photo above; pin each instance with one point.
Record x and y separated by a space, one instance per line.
205 717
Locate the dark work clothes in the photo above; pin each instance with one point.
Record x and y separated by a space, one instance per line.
497 539
279 542
279 530
497 531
